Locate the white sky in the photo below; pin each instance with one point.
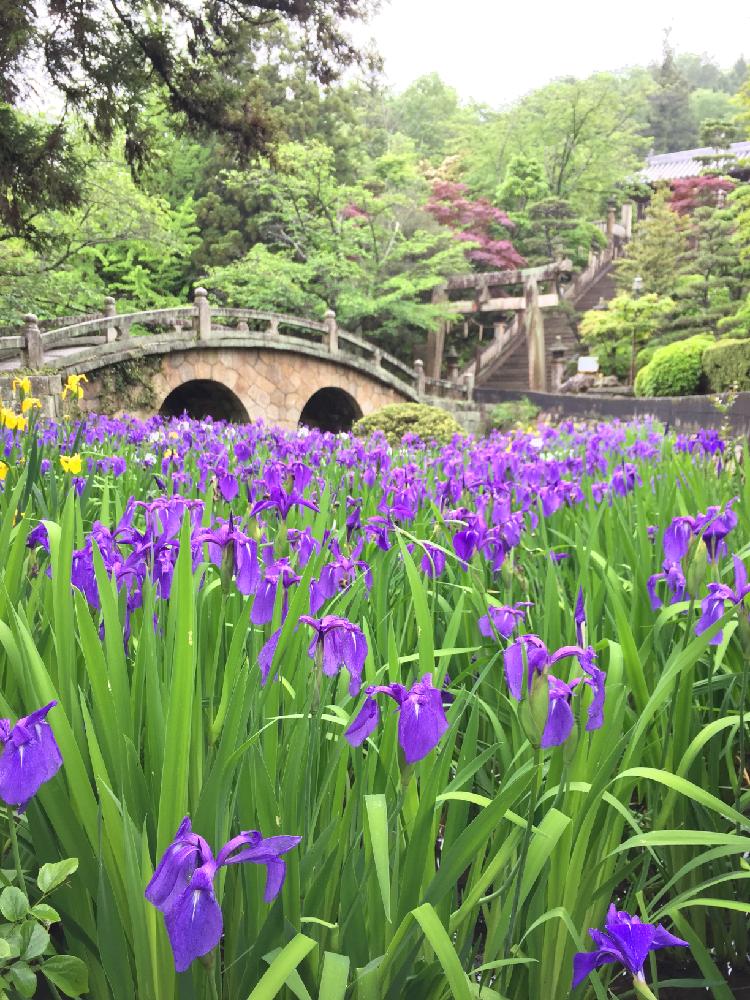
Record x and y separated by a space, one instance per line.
497 50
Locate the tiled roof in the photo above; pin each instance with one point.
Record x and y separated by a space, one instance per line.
670 166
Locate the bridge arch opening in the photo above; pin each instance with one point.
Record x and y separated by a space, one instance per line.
331 409
201 398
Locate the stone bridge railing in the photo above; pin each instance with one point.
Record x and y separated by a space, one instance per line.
58 347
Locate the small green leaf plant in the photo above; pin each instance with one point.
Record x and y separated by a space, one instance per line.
26 947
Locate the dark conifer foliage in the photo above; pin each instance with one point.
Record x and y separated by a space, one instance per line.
106 58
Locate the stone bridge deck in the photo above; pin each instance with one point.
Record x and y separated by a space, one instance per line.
235 363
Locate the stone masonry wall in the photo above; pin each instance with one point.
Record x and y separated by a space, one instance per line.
272 385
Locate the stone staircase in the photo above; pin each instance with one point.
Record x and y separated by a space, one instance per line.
509 369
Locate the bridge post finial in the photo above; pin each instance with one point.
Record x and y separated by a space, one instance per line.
332 331
203 313
110 310
419 370
34 348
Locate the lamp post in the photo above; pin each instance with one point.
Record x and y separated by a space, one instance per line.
637 289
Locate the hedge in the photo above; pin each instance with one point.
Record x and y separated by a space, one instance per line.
727 364
675 369
429 423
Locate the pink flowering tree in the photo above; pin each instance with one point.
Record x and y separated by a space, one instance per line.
482 226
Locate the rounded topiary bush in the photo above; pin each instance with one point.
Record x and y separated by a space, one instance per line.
675 369
727 365
429 423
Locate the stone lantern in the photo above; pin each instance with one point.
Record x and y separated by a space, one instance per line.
452 359
557 354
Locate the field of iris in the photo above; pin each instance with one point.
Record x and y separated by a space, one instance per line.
338 720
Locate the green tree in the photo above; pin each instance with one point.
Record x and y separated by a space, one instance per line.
670 120
367 250
658 250
429 112
711 106
546 227
623 328
586 134
716 273
119 241
106 60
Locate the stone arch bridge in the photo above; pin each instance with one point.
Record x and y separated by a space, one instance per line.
235 364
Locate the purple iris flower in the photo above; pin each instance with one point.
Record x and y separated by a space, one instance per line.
558 557
38 536
225 539
432 562
342 644
303 543
182 886
560 719
468 540
625 939
714 526
421 722
338 575
625 479
354 516
378 528
277 574
676 543
30 756
714 603
503 619
284 486
228 486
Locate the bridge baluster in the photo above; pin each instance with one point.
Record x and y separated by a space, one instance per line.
34 349
110 311
273 326
203 313
332 331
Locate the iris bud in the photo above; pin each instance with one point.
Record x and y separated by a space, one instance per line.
534 710
697 567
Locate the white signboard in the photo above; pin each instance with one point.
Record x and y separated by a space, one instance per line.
588 366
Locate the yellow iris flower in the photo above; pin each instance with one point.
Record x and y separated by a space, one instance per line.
24 384
3 471
73 386
13 421
29 403
71 463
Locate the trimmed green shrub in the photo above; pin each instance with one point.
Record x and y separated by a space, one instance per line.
429 423
507 415
727 364
675 369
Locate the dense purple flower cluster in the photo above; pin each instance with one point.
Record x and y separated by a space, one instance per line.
350 500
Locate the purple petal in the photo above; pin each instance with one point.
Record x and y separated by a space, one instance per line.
363 724
194 924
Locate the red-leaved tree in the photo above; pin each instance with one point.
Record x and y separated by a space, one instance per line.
475 221
689 193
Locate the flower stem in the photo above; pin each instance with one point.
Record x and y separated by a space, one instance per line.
642 990
213 993
743 701
536 784
14 846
